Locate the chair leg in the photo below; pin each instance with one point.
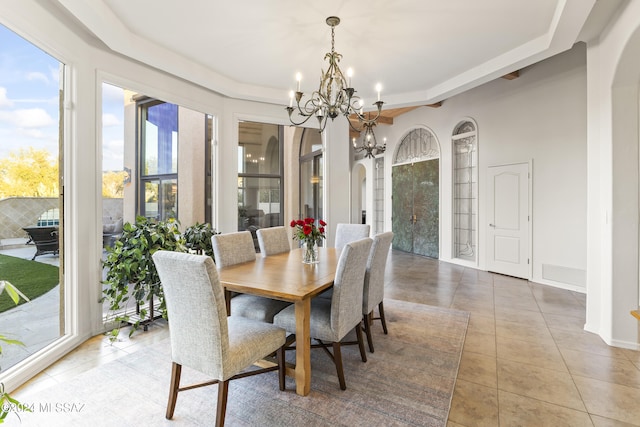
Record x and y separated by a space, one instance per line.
363 354
176 370
382 319
281 367
367 331
337 358
223 390
227 300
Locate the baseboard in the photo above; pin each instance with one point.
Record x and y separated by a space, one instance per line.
565 286
561 274
625 344
613 343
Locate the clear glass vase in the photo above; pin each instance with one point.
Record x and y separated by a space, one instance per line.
309 252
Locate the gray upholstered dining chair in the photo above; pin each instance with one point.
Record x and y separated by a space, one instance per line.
332 319
235 248
202 337
346 233
374 283
273 240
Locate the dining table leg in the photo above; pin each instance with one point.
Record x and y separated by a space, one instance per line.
303 347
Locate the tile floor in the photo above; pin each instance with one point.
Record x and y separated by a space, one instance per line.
527 360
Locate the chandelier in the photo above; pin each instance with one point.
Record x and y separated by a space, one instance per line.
335 95
369 142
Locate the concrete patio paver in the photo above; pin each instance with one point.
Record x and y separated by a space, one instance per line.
35 323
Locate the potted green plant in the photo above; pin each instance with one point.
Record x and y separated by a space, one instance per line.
131 273
198 238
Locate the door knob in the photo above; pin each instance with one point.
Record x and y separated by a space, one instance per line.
492 225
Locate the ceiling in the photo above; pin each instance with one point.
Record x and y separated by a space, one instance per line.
421 51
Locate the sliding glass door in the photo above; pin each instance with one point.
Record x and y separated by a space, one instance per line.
31 209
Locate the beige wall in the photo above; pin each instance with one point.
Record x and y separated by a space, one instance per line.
191 166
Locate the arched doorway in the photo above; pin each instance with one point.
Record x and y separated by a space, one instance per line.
623 285
415 193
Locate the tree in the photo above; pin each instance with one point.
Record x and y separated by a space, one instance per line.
29 172
113 184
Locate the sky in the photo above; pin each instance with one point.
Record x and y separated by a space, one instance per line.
112 127
29 100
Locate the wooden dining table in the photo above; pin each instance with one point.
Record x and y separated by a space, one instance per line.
284 277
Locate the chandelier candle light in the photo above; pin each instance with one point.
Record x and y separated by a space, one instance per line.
310 235
335 95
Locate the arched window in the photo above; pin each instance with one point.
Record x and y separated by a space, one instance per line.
465 191
419 144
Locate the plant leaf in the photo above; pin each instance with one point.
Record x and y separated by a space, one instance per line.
13 292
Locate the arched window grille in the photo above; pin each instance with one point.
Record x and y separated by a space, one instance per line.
419 144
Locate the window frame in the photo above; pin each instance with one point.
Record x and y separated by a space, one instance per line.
144 103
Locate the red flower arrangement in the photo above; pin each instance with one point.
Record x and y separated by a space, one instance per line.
306 230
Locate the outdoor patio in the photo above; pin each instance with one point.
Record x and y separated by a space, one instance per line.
36 323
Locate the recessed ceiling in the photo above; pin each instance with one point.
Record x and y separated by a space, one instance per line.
421 51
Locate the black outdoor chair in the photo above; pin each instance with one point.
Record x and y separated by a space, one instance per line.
45 239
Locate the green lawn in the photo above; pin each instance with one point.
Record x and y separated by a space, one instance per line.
32 278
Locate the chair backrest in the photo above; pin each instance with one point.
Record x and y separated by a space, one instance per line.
346 233
43 234
346 299
374 275
233 248
273 240
196 308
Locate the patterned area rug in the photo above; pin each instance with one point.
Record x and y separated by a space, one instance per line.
408 381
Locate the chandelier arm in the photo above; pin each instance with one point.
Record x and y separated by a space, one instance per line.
290 111
359 130
367 118
321 119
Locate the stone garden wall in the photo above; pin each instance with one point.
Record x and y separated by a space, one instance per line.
18 212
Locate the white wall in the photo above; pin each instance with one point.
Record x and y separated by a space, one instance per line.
191 172
538 117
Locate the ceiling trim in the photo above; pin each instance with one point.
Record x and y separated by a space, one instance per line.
98 18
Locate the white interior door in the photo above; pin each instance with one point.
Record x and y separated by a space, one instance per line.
508 216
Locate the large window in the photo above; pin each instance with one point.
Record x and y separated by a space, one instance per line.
260 170
311 181
158 135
